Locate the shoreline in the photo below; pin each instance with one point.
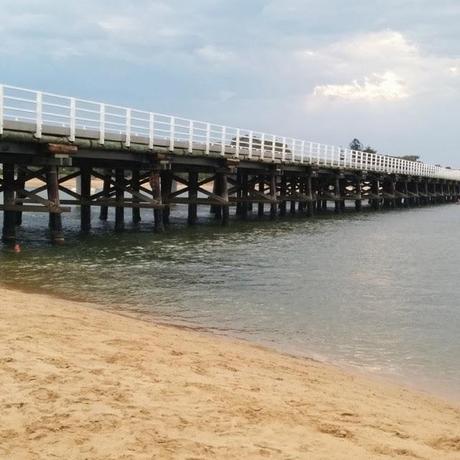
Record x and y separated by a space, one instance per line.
153 319
99 384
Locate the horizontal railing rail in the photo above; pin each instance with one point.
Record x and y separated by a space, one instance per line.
75 118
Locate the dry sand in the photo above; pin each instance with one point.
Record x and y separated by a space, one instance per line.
81 383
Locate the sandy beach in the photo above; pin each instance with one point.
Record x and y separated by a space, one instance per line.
78 382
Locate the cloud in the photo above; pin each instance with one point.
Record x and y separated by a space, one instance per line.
380 66
213 54
386 87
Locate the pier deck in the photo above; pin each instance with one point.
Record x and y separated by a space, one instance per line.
140 158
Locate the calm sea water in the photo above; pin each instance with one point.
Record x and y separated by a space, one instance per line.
380 291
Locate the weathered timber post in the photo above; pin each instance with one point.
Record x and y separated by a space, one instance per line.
192 196
166 190
215 209
20 185
245 195
358 192
155 185
343 194
417 193
85 197
426 199
337 193
239 193
9 216
251 189
406 192
375 190
55 219
273 196
309 190
135 179
302 192
119 198
319 203
104 211
293 190
261 206
283 195
224 210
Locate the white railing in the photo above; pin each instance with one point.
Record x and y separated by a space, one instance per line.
46 113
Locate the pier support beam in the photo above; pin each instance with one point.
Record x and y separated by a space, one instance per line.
166 189
104 211
55 220
119 198
358 192
9 216
309 192
244 195
155 185
20 185
273 195
135 178
261 206
283 196
337 192
85 208
192 195
224 210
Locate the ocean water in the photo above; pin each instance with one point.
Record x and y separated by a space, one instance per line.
379 291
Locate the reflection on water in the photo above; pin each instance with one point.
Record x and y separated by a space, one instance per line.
377 290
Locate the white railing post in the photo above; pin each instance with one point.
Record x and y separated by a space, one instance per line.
72 120
190 136
39 114
128 128
208 137
1 108
224 134
101 124
283 154
262 146
151 130
172 133
302 152
251 137
273 147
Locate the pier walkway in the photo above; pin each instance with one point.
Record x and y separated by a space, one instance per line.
151 160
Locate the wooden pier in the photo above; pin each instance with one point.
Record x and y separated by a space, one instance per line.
149 161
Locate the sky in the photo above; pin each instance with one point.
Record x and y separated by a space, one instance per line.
384 71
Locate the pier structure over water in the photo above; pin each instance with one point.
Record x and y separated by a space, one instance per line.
146 160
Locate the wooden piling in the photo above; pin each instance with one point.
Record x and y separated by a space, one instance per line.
309 191
358 192
223 189
155 184
192 195
337 204
104 210
283 196
166 189
85 197
261 206
244 195
119 198
135 179
293 190
20 185
55 221
273 196
9 216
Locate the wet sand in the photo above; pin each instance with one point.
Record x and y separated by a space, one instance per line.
78 382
